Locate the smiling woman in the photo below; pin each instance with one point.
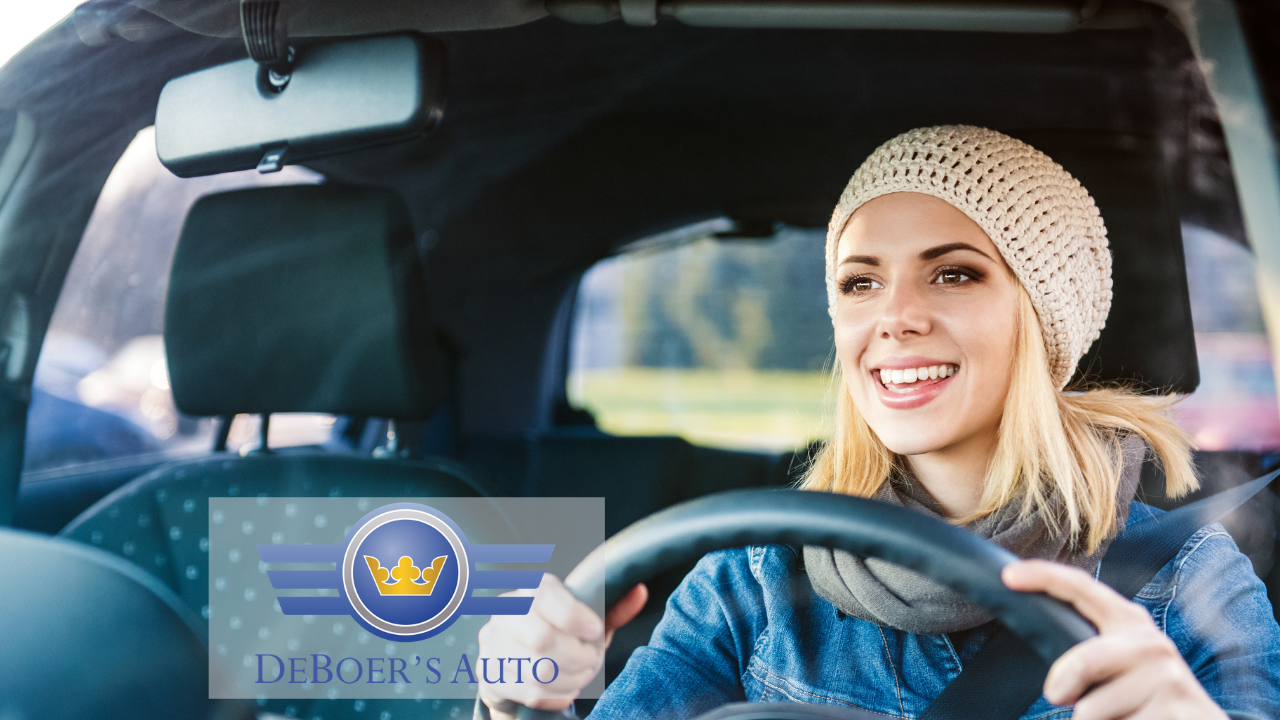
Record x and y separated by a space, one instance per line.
901 281
966 275
963 248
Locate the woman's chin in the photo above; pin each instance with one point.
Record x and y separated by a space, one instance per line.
904 444
919 434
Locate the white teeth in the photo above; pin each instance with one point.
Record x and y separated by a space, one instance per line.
911 375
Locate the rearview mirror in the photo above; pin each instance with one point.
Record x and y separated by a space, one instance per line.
336 98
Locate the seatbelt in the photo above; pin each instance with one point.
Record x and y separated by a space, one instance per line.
1133 558
1144 547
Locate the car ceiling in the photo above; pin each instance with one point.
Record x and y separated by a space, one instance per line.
561 142
332 18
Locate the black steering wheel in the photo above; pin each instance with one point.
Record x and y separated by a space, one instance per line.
946 554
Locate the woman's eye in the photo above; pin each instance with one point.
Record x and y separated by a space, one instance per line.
952 277
859 284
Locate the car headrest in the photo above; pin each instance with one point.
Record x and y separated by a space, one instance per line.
303 298
1149 339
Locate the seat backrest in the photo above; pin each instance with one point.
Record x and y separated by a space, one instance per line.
282 299
161 520
88 635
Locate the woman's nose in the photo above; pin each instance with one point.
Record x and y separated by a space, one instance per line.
904 314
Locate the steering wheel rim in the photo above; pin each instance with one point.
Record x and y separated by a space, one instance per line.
949 555
953 557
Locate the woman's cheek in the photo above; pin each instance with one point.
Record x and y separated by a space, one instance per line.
985 334
852 336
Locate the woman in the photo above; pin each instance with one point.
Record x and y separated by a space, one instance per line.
966 274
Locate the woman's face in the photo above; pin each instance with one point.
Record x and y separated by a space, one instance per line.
925 323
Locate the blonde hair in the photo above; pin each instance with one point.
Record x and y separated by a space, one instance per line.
1057 453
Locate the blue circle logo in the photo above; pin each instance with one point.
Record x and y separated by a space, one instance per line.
405 571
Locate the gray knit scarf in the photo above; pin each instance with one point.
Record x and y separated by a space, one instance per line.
893 596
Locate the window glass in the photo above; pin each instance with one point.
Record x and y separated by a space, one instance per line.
101 389
725 342
1235 406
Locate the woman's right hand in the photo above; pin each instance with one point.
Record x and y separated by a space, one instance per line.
558 626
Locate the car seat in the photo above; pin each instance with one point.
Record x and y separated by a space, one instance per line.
86 634
284 299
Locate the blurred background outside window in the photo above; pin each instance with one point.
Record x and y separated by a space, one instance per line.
726 342
24 22
1235 406
101 389
723 341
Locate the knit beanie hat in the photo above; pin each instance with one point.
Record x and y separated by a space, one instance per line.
1043 222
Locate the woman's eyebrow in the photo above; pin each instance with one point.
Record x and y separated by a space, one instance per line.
939 251
861 259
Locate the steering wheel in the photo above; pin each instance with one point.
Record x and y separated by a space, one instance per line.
953 557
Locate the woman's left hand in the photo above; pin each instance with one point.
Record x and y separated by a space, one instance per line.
1130 670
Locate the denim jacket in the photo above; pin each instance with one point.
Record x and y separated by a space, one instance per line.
745 624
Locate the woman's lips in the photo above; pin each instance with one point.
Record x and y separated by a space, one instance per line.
905 396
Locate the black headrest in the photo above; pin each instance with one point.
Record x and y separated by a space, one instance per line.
1149 340
305 298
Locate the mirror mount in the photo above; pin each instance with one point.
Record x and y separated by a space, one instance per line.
266 37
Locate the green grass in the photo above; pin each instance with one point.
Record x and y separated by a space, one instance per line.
742 409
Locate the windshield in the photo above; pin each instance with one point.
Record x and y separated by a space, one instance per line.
26 21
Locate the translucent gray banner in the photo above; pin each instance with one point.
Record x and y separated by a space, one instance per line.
320 598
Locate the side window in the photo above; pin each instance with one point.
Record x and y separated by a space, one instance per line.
1235 406
725 342
101 389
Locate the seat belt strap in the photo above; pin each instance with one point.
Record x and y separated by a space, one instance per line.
1145 546
999 683
1133 558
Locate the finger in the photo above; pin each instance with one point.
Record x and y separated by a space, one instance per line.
555 604
1101 605
1121 697
627 608
519 683
537 638
1101 659
531 636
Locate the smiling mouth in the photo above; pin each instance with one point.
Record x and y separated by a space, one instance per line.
905 381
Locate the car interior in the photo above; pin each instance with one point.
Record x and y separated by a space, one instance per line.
424 293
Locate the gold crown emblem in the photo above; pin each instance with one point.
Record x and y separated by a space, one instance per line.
406 576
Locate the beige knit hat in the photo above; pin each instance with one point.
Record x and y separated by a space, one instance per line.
1041 219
